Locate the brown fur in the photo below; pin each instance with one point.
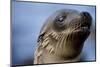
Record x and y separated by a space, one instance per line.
61 39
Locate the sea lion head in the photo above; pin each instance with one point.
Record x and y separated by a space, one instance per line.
68 29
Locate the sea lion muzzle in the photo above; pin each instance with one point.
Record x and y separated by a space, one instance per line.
62 37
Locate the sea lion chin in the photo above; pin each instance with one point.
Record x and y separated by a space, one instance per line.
62 37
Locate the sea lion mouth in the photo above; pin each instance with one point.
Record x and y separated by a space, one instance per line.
84 27
81 34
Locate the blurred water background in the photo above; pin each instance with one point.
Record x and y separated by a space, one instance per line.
27 20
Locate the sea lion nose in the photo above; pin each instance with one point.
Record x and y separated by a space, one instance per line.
87 18
87 15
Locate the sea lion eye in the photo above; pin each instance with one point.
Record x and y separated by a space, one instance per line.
59 22
61 18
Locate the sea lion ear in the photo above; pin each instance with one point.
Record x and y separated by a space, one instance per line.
40 37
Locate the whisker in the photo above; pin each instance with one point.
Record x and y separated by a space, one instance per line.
64 45
77 26
61 44
57 45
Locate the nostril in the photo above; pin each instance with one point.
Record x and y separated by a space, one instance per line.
85 13
86 18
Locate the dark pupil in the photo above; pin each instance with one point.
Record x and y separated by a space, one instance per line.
61 18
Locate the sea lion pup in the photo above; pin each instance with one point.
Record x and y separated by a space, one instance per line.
62 37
